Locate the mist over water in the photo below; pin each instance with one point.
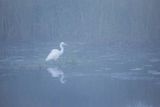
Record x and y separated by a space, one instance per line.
112 58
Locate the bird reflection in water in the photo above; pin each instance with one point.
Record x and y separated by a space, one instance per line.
57 73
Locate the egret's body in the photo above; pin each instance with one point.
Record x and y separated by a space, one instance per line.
55 53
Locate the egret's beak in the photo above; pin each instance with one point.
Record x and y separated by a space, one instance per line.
65 44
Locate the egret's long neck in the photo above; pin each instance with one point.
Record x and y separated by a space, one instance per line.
62 49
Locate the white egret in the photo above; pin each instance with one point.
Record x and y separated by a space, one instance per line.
55 53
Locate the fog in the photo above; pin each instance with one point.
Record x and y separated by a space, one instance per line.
112 57
110 21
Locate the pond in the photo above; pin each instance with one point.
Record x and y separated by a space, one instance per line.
83 76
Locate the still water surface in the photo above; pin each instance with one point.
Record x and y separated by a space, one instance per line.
83 77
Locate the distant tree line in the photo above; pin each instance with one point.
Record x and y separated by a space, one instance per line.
89 20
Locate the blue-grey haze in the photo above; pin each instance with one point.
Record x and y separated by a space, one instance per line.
112 58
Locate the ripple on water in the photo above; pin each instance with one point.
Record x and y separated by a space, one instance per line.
136 69
148 65
107 69
131 76
139 104
154 72
154 60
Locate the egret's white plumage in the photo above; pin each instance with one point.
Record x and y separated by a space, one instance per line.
55 53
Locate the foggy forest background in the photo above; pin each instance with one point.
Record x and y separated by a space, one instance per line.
115 22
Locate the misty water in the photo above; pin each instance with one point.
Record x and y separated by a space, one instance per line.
84 76
112 58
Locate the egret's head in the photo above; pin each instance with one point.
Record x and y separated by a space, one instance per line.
62 43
